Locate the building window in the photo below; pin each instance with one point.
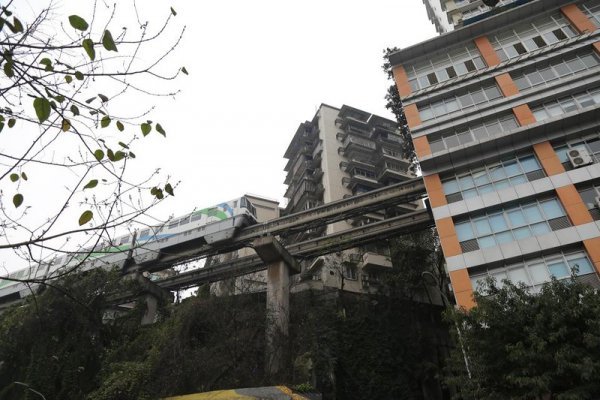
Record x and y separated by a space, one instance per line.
591 198
510 224
492 177
394 166
444 67
592 10
461 101
363 172
391 152
567 104
531 36
544 73
350 272
536 272
471 133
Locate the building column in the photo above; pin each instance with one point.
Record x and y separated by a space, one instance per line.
578 19
463 289
280 264
487 51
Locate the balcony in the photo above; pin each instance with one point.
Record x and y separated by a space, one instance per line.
392 173
311 190
391 138
316 161
317 174
355 145
362 181
374 261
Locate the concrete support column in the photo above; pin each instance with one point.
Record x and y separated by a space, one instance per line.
278 315
280 265
151 308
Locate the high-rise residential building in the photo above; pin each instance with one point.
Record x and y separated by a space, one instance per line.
505 119
447 15
436 11
339 153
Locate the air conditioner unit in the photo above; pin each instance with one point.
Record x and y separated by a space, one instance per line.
579 157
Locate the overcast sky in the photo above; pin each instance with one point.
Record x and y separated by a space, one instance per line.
260 68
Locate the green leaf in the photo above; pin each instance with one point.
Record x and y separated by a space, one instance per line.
16 26
103 97
17 200
88 46
42 108
99 154
24 176
105 121
85 217
111 155
173 12
123 145
160 130
46 61
78 23
88 101
8 69
119 155
184 70
66 125
59 97
78 75
68 78
146 128
131 154
74 109
108 42
1 126
169 189
14 177
11 122
156 192
120 126
91 184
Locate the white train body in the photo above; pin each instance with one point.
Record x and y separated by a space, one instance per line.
213 224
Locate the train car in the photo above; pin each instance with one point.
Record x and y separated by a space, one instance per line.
209 225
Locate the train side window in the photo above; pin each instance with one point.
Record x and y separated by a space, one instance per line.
174 224
124 240
145 232
197 216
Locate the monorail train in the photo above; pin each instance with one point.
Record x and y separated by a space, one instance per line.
211 225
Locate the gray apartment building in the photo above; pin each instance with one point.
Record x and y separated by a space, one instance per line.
339 153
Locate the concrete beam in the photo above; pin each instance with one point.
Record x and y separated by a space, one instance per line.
270 250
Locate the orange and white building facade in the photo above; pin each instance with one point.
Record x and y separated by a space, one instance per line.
505 119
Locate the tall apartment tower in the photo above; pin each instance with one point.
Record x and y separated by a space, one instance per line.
339 153
505 119
447 15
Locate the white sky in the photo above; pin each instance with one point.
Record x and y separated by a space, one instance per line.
260 68
257 69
